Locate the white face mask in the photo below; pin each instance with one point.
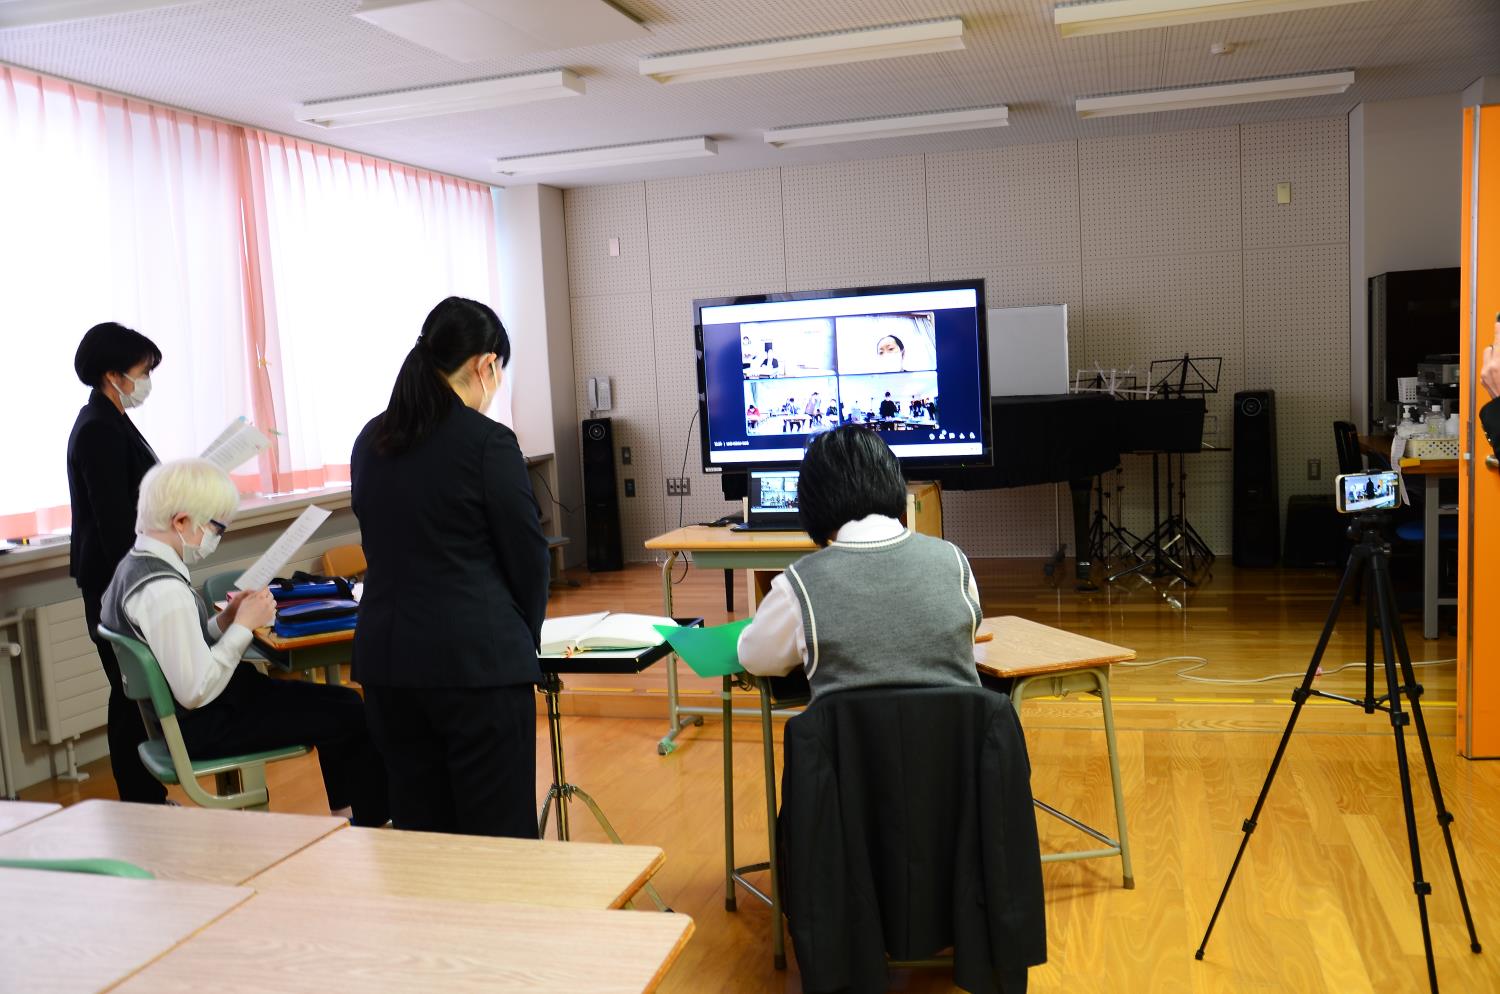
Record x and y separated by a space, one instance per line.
197 553
142 389
485 394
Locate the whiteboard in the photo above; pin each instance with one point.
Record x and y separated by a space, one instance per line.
1028 349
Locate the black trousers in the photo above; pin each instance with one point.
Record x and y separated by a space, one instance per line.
256 712
461 760
126 729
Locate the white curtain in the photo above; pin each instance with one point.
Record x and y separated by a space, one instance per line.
283 281
113 210
354 253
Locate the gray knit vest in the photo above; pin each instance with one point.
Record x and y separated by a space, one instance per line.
135 571
891 613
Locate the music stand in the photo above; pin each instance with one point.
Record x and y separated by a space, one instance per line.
561 790
1190 376
1157 428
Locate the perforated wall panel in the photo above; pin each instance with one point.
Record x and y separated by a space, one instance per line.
1313 156
612 336
717 231
854 223
1160 194
1141 236
593 215
1296 318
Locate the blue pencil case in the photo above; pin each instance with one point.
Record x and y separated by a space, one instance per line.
314 617
297 629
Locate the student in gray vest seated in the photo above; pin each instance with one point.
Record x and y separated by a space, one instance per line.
837 612
226 707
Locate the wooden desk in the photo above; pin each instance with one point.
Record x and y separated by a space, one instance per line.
317 943
1043 661
718 548
357 863
70 932
202 845
14 814
326 651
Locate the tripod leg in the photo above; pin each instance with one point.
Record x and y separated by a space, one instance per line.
1444 816
1299 697
1383 594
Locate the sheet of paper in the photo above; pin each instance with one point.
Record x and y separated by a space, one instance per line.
282 550
236 445
1398 449
708 651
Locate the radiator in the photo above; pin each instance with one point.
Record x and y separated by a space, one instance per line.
67 692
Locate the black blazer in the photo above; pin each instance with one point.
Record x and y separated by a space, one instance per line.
1489 420
906 827
107 456
458 573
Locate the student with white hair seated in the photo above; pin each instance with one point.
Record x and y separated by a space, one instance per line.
227 707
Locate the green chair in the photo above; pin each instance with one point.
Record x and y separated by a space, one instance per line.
239 780
102 867
215 589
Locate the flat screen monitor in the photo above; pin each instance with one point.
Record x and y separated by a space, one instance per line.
908 362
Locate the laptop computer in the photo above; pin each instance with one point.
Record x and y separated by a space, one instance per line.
771 501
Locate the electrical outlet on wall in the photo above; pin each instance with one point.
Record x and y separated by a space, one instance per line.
629 488
1315 469
678 486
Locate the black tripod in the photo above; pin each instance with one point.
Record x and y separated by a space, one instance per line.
1371 553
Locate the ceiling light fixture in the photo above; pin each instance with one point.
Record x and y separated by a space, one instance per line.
1217 95
30 13
432 101
612 155
888 127
921 38
1092 17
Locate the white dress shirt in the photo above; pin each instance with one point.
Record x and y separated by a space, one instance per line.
775 643
166 613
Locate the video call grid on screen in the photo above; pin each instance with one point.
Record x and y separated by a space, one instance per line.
773 491
903 363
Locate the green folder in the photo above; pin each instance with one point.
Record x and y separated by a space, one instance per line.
708 651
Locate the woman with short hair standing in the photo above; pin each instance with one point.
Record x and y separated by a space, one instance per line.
107 457
451 615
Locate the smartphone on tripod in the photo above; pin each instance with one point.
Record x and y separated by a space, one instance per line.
1355 493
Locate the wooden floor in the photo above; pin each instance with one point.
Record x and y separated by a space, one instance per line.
1323 902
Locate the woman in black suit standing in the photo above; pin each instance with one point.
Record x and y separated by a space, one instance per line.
107 456
453 602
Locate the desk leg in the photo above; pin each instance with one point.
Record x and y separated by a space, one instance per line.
1101 676
768 750
728 723
675 722
1430 546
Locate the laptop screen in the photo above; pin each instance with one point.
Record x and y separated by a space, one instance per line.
773 495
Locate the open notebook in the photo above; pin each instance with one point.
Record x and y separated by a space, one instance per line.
603 630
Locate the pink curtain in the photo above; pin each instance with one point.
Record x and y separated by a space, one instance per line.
283 280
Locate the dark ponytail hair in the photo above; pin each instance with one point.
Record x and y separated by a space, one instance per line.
457 330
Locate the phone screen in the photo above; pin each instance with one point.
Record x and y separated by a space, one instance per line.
1368 492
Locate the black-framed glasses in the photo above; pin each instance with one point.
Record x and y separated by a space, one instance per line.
219 527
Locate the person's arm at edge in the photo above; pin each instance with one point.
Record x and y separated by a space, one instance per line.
515 527
768 646
1489 375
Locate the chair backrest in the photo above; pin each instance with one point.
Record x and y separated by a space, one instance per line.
217 587
140 673
1346 440
345 560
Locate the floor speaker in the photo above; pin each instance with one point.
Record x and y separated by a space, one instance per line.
1257 511
601 497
